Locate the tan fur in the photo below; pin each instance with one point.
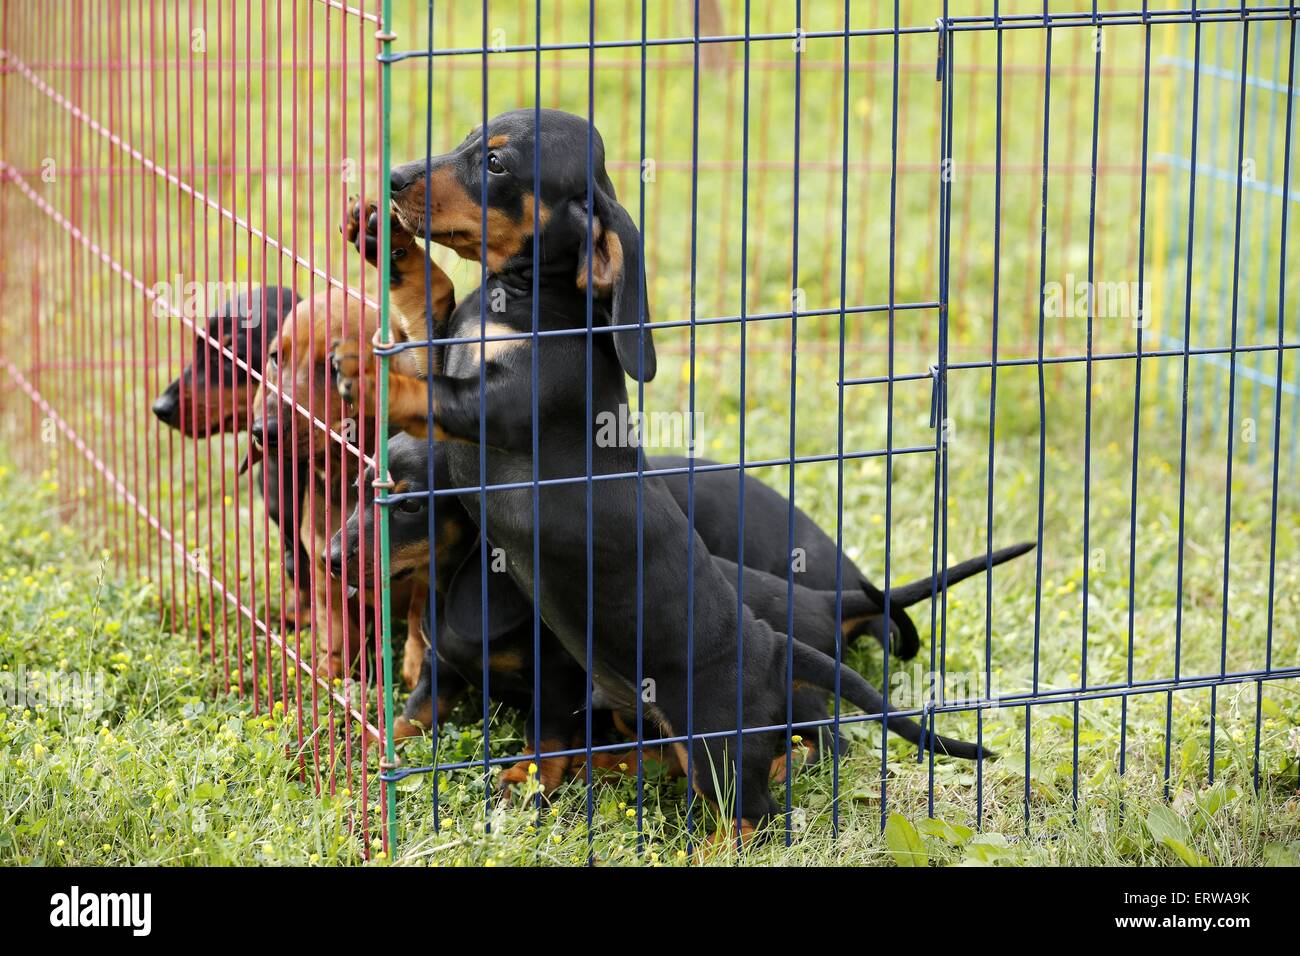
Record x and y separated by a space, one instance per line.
456 219
608 264
849 626
495 348
206 410
550 770
412 273
413 651
302 352
506 661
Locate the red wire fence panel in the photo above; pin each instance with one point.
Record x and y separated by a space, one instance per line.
182 169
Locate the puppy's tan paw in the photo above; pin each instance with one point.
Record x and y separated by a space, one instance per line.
549 773
345 359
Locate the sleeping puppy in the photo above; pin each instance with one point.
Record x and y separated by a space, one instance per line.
707 658
213 396
511 657
298 358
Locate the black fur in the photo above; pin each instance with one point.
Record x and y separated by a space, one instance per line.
679 571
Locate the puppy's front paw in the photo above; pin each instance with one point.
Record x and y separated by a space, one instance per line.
545 775
346 361
361 229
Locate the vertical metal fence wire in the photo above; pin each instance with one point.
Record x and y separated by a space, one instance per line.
181 164
795 306
177 157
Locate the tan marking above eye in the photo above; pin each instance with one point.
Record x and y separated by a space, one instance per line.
496 142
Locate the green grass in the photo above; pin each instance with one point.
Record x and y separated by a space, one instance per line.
152 766
165 770
171 748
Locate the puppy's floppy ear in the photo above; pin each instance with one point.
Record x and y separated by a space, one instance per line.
508 608
618 269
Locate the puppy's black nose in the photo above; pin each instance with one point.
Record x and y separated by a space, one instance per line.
335 560
402 177
265 433
167 408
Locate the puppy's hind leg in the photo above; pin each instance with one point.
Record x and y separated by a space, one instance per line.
417 716
735 793
561 725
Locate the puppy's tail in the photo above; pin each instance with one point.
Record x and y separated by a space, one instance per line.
917 591
813 667
905 639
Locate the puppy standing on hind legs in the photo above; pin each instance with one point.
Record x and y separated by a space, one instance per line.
212 395
607 256
512 661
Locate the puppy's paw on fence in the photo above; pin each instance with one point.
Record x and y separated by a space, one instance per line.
345 359
361 229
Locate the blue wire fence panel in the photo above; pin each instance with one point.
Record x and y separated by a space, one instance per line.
910 269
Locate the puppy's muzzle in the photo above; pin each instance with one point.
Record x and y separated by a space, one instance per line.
167 407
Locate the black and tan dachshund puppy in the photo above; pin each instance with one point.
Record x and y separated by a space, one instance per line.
705 657
213 396
511 656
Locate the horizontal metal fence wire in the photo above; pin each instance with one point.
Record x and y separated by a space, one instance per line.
945 275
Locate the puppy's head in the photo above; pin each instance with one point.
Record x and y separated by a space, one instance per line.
298 363
210 396
491 179
409 523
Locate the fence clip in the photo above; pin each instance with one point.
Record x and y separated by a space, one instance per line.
384 484
385 36
935 378
942 27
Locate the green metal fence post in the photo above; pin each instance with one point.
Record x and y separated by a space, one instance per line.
386 37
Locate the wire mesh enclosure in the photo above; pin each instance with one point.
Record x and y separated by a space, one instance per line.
187 163
924 281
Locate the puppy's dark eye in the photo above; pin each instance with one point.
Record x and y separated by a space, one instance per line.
411 506
494 164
